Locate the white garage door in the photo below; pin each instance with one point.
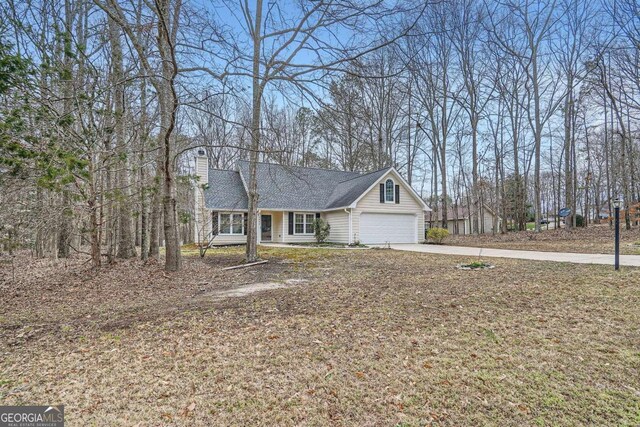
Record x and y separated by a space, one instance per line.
384 227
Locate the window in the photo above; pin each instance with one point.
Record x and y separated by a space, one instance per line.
303 223
299 224
231 223
308 226
225 223
237 221
389 191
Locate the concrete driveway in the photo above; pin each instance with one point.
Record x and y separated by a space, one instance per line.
629 260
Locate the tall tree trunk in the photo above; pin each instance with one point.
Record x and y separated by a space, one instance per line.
574 167
144 209
167 29
64 233
40 238
518 190
474 177
537 139
568 173
434 167
607 157
125 245
443 150
252 217
410 157
110 214
443 173
168 99
94 225
624 140
107 210
154 220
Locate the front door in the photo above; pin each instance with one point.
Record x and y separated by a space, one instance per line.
265 228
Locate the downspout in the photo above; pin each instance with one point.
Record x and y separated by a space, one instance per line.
350 225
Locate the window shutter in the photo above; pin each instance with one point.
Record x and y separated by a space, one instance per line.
382 193
214 223
397 194
290 223
317 215
244 218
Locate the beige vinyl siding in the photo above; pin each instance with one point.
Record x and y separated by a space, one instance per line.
339 222
294 238
202 225
202 215
276 225
202 170
488 222
226 239
371 203
229 239
463 226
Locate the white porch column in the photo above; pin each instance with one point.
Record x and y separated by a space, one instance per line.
350 239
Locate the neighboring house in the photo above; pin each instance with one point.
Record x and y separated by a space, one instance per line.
459 220
634 214
376 207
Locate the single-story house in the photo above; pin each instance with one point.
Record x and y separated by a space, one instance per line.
368 208
634 214
459 220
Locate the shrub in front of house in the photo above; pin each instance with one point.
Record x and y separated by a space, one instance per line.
437 235
321 230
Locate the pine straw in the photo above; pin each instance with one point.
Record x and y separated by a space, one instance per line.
592 239
374 338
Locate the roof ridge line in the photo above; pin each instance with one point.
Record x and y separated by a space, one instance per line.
365 174
306 167
223 170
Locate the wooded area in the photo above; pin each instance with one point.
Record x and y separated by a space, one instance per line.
522 106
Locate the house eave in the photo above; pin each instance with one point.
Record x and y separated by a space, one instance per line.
293 209
415 195
352 205
225 209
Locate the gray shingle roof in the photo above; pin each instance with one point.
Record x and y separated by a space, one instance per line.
347 192
226 191
288 187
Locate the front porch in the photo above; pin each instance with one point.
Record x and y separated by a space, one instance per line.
270 227
230 227
285 227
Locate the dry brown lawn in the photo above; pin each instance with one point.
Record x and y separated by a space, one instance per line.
592 239
371 338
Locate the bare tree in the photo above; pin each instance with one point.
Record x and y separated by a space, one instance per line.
467 38
296 47
436 91
126 246
524 30
167 17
